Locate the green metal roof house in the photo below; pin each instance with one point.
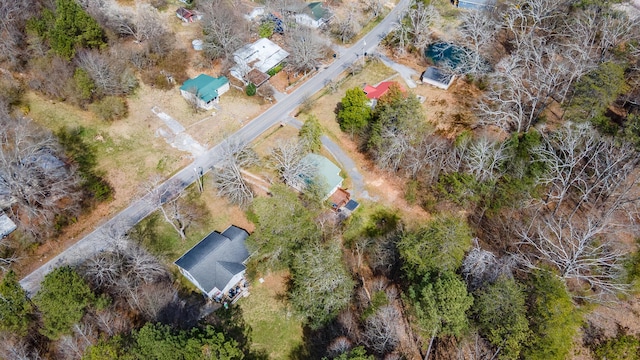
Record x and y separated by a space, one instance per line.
326 172
314 16
205 90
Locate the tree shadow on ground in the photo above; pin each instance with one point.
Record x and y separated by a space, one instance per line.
232 323
315 342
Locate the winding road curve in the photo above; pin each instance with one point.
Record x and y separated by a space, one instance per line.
102 237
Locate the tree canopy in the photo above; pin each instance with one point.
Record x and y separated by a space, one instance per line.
321 285
160 342
595 92
310 134
621 347
554 319
501 313
398 125
284 224
16 311
67 28
441 306
62 300
355 112
439 246
357 353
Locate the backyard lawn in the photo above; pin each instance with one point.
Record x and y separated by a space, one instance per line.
276 330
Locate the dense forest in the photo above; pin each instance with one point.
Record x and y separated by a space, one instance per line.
531 199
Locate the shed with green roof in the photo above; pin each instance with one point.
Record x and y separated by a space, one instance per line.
205 90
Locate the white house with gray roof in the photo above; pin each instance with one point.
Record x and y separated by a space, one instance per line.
216 264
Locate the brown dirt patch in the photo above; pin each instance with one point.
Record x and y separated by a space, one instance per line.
283 79
625 315
276 282
447 110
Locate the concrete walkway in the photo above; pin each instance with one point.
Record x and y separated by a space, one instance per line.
177 138
404 71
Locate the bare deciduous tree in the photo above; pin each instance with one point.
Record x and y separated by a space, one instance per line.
224 30
339 345
124 269
307 48
285 7
420 18
143 24
111 76
36 183
350 324
576 248
16 348
529 20
169 198
520 89
546 55
478 31
381 329
50 75
151 299
484 159
228 177
476 264
374 7
346 26
592 194
617 27
286 157
73 346
395 144
588 170
110 322
482 266
401 35
475 347
13 17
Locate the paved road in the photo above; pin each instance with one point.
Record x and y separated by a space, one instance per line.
101 238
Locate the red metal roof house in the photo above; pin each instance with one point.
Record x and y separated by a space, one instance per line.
375 93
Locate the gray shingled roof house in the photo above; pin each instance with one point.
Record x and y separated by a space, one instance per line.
216 264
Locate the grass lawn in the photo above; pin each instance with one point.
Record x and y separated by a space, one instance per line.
128 152
325 101
276 330
213 213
